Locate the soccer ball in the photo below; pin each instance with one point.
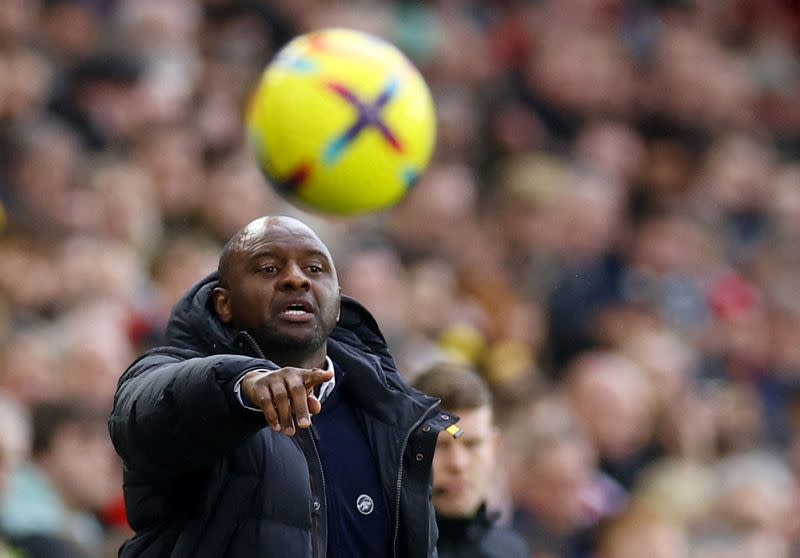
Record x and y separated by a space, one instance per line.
342 122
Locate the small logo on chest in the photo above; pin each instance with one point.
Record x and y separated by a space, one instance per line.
365 504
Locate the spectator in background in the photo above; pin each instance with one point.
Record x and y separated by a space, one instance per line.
638 534
14 449
757 495
463 468
102 99
559 495
616 402
50 502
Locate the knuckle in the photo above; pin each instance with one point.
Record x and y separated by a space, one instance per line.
298 390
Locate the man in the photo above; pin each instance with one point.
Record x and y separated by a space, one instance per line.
463 468
215 428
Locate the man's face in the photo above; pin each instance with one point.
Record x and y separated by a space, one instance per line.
462 467
283 288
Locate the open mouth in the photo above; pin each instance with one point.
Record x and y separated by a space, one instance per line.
295 310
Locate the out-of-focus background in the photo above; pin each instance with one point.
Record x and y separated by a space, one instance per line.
610 233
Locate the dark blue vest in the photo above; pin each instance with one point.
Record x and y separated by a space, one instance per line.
359 523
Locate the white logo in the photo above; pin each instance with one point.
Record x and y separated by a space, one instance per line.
365 504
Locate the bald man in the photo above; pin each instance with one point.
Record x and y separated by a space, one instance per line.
274 422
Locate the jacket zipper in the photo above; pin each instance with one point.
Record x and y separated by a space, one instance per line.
322 544
399 485
255 345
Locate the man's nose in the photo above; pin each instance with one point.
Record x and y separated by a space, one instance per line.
294 278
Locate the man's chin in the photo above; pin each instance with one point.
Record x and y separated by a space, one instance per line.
454 510
294 338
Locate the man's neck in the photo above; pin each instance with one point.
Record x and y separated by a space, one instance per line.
284 356
299 360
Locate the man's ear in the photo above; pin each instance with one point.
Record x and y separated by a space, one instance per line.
222 304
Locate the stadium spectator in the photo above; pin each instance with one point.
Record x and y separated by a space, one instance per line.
559 495
616 402
463 468
53 498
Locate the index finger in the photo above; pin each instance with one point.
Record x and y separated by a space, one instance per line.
315 376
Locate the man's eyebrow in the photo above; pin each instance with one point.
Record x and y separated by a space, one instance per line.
264 251
318 252
267 252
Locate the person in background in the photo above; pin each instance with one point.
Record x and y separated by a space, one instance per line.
560 496
48 506
639 533
463 468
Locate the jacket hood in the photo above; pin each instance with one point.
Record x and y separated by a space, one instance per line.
194 325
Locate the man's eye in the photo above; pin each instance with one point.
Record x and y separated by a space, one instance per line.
269 268
315 269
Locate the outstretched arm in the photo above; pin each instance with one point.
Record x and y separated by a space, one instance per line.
175 411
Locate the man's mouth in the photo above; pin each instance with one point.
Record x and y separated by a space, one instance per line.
297 312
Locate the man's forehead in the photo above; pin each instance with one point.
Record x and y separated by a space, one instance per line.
265 232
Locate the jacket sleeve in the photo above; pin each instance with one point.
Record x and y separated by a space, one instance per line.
175 411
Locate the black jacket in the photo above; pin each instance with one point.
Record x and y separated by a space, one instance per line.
204 477
479 537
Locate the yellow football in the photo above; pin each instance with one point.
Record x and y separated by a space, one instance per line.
342 122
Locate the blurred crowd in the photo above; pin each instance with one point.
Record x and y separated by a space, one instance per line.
609 233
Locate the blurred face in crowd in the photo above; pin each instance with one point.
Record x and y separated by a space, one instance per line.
82 465
182 262
556 483
17 18
636 536
737 174
173 159
28 368
588 214
369 275
462 466
611 148
614 397
236 194
279 284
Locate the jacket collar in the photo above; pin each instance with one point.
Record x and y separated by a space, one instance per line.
465 528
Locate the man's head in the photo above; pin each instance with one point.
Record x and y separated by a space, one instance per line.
462 467
277 282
